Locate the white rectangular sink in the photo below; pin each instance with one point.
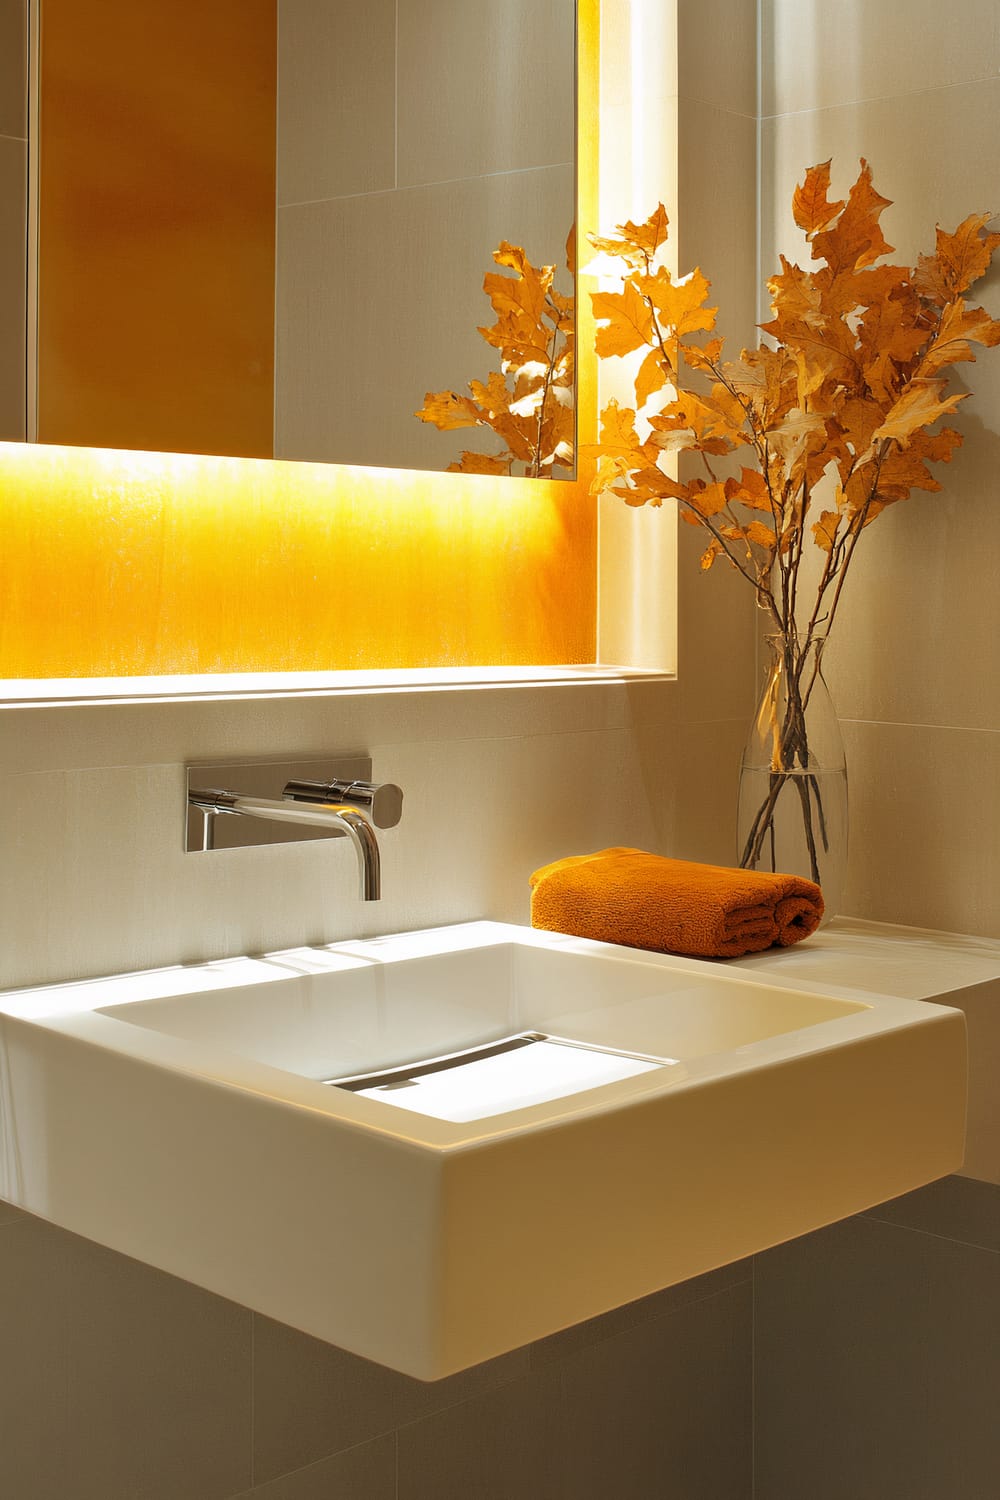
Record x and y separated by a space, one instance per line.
636 1119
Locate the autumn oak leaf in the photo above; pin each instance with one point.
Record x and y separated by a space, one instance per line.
917 407
810 205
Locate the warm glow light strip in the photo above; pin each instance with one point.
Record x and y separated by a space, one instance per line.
124 564
135 564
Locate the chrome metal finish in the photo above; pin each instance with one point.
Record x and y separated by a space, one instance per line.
264 778
383 803
244 803
346 820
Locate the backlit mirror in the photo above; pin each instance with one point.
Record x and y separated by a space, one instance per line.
263 226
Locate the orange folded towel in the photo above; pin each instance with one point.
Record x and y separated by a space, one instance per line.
672 905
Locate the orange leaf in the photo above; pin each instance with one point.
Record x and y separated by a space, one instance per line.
627 319
825 529
618 434
638 243
709 555
481 463
958 325
811 207
709 499
961 258
702 356
447 410
855 240
917 407
680 304
750 490
760 535
651 377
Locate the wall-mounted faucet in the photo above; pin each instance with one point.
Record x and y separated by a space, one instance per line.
306 799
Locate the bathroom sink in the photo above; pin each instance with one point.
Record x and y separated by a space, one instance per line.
434 1147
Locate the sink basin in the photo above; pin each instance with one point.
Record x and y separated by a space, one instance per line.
273 1128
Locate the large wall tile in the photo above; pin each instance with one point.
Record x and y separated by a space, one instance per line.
367 1472
877 1361
664 1409
815 53
13 68
925 806
690 776
312 1399
435 244
717 54
495 1446
929 153
116 1381
484 88
13 287
717 174
915 641
955 1207
336 98
532 799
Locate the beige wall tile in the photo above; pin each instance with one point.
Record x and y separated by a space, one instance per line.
925 806
717 166
717 53
916 640
877 1360
336 98
367 1472
312 1400
13 287
664 1409
911 145
123 894
13 68
689 774
116 1380
143 733
353 399
816 54
484 88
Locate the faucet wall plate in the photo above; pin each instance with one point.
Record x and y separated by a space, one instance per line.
262 778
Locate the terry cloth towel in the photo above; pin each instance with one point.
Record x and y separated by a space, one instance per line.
673 906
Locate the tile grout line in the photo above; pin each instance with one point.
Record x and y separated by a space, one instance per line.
418 187
931 1234
253 1399
753 1376
933 88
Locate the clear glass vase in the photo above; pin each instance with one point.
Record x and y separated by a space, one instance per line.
793 777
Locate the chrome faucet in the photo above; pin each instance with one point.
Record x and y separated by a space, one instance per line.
334 804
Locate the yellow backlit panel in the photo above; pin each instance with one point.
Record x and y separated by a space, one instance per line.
138 563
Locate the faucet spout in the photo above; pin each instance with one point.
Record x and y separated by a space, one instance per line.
346 819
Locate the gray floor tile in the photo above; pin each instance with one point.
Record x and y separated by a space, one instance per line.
117 1382
959 1208
877 1367
367 1472
663 1411
312 1400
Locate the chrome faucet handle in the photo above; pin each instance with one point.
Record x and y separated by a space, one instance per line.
383 802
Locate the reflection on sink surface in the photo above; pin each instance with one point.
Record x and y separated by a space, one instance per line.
554 1126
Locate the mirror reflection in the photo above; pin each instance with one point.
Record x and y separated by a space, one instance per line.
264 225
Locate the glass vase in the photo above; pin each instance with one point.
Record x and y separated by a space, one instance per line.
793 777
